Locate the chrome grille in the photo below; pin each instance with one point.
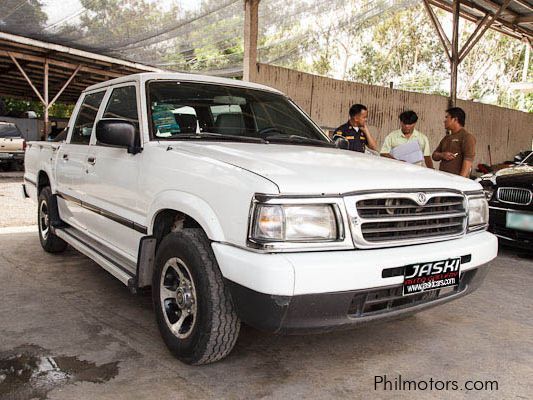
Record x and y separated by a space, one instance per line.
392 219
513 195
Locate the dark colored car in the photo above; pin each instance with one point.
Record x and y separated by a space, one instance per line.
510 195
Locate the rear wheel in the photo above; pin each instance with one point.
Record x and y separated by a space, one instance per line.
49 241
193 307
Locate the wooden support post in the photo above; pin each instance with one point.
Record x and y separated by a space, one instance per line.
26 77
440 31
251 17
64 86
45 103
455 52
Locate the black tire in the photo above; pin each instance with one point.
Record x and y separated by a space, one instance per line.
209 327
49 241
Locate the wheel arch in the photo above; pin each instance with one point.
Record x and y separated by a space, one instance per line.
172 211
43 180
191 210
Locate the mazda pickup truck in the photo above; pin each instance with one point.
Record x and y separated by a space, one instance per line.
232 205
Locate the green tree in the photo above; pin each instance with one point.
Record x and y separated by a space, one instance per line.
489 70
21 17
402 49
16 107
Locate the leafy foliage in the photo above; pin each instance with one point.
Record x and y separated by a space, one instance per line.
16 108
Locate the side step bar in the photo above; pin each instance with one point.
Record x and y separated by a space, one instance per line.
113 263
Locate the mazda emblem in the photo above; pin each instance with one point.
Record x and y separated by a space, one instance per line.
421 198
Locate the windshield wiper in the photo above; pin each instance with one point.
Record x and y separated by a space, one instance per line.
286 138
217 136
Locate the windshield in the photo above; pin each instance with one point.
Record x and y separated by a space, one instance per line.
192 111
9 130
528 160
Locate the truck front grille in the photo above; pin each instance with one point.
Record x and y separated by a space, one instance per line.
377 301
389 219
513 195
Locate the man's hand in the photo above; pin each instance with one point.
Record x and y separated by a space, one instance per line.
371 142
448 156
445 155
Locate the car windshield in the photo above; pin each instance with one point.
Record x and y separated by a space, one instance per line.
528 160
9 130
194 111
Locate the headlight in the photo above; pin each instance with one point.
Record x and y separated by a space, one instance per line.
478 213
488 191
295 223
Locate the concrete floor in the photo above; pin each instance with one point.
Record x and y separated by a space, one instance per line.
65 310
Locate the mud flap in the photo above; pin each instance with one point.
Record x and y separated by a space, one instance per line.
145 265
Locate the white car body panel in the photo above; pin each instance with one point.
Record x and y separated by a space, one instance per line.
292 274
315 170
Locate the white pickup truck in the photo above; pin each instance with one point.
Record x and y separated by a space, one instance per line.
233 205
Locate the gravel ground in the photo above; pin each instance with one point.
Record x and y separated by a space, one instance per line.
16 211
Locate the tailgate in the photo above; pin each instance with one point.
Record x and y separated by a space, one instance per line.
11 145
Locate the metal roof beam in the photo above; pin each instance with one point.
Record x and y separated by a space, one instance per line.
55 83
440 31
524 19
525 4
23 56
501 25
90 57
64 86
26 77
482 27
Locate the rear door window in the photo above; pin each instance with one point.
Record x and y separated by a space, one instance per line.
83 127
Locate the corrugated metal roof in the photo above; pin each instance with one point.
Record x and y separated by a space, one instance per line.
63 61
516 20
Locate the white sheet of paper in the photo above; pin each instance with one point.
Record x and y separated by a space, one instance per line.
409 152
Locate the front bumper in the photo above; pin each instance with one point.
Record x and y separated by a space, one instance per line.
314 291
323 312
510 237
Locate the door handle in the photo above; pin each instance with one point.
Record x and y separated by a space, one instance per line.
65 157
91 160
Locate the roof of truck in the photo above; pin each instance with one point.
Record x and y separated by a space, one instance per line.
147 76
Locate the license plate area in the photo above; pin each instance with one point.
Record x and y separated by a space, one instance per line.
423 277
520 221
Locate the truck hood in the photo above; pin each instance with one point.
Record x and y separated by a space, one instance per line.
297 169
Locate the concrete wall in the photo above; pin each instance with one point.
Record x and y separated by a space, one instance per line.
327 101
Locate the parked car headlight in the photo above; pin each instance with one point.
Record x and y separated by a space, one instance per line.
488 191
478 212
294 223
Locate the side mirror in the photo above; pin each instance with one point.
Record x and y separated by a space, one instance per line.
341 142
118 133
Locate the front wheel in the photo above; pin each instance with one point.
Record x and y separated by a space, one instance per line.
49 241
193 307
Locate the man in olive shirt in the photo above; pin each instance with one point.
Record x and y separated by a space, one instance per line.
457 150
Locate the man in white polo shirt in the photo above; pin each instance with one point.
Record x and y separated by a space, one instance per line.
406 134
